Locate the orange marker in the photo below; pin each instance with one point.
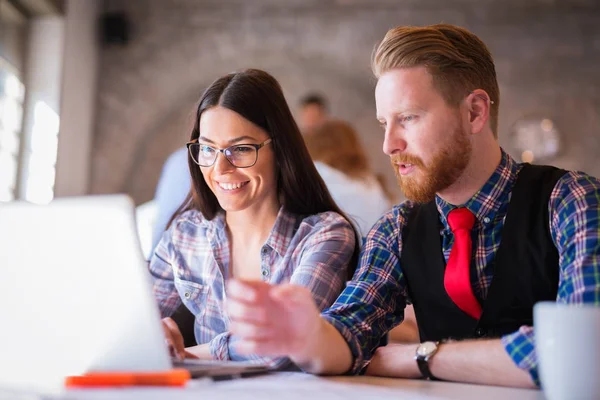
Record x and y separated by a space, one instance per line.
174 377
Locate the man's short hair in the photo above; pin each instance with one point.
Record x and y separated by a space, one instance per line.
457 59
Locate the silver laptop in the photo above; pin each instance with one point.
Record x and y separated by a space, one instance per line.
75 295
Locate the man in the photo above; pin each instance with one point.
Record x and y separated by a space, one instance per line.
313 112
510 235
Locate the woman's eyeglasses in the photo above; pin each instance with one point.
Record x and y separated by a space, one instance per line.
238 155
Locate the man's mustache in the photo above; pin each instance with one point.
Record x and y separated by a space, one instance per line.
406 159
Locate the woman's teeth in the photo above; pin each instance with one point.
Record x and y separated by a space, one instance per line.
231 186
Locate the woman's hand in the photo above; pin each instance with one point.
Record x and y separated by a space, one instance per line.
173 339
200 351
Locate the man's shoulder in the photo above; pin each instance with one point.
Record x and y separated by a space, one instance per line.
403 210
575 186
563 177
578 178
394 221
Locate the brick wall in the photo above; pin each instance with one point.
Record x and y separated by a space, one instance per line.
547 54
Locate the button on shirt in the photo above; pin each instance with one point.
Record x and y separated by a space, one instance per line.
191 265
373 302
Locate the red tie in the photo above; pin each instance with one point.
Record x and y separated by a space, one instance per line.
457 277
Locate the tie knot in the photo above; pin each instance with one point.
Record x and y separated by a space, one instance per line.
461 218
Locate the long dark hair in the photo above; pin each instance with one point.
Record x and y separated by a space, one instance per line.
257 96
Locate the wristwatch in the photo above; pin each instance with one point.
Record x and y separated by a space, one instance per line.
425 352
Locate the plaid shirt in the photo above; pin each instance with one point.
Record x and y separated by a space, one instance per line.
191 264
373 302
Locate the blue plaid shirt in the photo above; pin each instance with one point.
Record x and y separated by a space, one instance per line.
373 302
192 263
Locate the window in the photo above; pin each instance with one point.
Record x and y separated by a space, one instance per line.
12 93
29 120
41 155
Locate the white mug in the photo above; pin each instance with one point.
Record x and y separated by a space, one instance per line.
567 342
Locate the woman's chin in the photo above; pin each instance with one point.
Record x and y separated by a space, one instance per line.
233 207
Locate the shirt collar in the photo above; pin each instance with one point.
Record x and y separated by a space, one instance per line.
215 229
283 231
493 194
279 239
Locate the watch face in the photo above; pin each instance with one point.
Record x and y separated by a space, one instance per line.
426 349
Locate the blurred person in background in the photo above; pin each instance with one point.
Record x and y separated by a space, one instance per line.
344 166
258 210
314 111
173 186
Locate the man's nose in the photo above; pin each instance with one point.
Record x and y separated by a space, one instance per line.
393 142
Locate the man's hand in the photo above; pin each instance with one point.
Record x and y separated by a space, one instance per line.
395 360
272 320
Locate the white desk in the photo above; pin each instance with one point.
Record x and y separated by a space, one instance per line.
299 386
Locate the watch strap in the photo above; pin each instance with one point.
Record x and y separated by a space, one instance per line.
423 364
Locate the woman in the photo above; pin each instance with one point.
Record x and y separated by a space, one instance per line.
344 166
258 210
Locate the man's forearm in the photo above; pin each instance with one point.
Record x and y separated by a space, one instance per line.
327 352
473 361
478 361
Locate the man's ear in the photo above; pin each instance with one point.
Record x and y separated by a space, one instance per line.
478 105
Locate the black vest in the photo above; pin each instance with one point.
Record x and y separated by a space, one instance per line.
525 265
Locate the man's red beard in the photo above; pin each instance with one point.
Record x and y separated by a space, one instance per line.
444 169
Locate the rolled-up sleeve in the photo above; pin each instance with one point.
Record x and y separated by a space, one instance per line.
373 301
574 210
222 347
